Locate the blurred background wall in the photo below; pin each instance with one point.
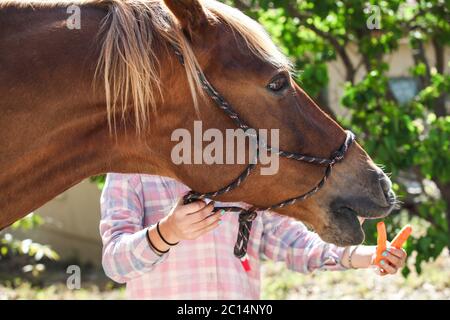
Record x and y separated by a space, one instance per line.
71 223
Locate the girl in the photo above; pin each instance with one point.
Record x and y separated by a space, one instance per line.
165 250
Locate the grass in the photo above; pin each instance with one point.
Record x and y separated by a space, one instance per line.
278 283
59 291
432 283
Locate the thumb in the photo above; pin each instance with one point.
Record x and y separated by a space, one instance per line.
180 202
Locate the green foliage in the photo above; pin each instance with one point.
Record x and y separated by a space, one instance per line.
412 140
99 181
31 253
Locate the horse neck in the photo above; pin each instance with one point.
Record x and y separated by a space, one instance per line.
53 128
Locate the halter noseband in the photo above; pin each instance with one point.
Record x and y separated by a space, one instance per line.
246 216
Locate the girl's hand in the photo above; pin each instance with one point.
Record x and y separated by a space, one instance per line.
188 222
392 261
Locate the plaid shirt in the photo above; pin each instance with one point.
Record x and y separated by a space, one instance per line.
204 268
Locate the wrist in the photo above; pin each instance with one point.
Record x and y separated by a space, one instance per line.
166 230
357 257
362 258
347 257
155 243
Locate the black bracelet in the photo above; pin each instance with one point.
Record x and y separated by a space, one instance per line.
152 245
162 238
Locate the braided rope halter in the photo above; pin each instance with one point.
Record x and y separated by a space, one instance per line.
246 216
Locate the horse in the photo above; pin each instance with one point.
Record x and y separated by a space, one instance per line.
105 97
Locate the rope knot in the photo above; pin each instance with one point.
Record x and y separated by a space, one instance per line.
247 215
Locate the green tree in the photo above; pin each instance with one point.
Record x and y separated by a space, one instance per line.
27 254
411 139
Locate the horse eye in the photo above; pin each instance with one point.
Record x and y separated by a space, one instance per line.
278 84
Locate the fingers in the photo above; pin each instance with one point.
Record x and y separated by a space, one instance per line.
200 215
396 257
211 218
191 208
400 253
387 268
392 259
207 228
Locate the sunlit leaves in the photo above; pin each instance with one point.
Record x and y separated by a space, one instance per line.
33 252
411 139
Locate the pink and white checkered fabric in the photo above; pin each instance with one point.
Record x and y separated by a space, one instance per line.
205 268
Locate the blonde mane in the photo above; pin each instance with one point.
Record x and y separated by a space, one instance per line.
128 41
128 63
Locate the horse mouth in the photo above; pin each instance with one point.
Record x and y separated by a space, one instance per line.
351 214
362 209
344 227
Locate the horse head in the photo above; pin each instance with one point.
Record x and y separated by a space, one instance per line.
246 68
55 129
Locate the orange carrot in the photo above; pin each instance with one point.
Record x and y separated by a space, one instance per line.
401 237
381 241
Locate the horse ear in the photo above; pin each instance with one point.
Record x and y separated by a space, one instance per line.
189 13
